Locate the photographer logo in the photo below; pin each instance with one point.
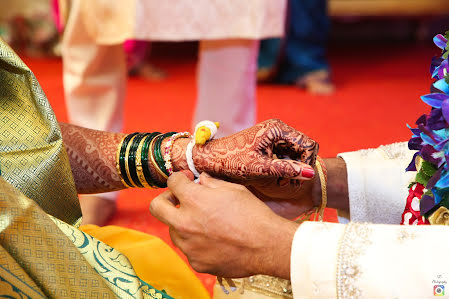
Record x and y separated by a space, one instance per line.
438 290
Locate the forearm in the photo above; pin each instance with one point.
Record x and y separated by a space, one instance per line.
92 156
275 259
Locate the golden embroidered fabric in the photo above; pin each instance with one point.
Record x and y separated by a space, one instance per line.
353 244
41 256
32 155
262 285
45 263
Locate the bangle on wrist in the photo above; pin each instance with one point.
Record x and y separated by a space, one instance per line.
139 167
158 151
132 165
128 149
322 173
169 147
156 167
120 160
145 162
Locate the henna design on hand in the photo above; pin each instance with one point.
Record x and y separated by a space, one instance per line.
258 152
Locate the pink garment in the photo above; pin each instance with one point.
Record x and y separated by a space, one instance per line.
136 51
56 15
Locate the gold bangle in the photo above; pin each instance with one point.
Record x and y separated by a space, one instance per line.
127 157
322 173
117 163
139 168
151 155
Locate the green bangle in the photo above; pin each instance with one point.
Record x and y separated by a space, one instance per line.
144 160
122 158
157 151
145 166
132 159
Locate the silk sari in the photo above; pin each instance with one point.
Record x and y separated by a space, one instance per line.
43 253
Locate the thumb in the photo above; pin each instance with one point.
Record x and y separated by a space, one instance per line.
188 174
181 184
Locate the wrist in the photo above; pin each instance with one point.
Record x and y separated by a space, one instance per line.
178 156
178 153
337 186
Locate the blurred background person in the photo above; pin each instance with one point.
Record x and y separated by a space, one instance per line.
300 57
27 26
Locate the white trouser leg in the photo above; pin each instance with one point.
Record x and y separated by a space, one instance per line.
226 80
94 77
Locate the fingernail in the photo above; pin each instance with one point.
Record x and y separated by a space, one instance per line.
206 174
307 173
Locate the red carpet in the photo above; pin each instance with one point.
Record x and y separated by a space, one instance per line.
378 89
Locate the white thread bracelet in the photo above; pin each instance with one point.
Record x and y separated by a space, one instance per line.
212 127
189 158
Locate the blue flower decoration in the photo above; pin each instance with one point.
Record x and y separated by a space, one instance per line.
431 137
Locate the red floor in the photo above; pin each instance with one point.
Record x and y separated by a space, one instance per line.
378 89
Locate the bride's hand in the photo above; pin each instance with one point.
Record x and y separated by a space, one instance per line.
259 152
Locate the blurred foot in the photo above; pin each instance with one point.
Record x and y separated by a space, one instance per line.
148 71
97 209
317 82
264 74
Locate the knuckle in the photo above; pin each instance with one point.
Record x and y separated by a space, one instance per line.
154 205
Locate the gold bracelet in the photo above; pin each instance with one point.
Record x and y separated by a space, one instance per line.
127 159
151 154
139 168
117 163
322 173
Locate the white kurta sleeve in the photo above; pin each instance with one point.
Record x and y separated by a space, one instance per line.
369 261
377 183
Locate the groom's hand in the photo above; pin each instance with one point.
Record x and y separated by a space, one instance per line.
223 229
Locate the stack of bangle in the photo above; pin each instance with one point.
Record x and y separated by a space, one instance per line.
134 153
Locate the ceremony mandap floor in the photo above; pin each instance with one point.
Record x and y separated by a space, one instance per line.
378 89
